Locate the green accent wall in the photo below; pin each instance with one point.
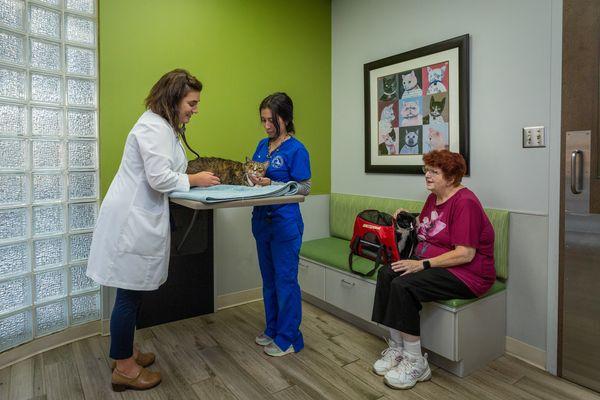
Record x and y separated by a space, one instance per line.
241 50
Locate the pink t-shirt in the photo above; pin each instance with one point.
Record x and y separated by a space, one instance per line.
460 220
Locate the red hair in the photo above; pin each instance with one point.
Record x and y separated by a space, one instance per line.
453 165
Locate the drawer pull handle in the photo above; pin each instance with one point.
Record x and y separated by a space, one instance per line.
348 284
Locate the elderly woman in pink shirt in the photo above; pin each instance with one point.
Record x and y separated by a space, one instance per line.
455 259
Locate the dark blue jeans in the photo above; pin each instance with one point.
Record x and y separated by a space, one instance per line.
122 323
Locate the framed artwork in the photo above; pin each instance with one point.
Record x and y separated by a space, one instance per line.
416 102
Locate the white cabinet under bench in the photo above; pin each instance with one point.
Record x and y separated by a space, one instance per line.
459 340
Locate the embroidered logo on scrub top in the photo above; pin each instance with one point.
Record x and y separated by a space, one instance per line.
277 162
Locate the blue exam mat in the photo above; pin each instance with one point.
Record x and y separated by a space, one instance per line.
220 193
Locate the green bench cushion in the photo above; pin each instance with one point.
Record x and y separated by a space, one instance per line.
343 209
334 252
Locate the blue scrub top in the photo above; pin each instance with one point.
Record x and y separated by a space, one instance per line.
290 162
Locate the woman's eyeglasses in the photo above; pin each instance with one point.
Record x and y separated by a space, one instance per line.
431 171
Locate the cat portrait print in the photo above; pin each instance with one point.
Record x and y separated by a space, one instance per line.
389 88
415 102
436 137
410 111
437 105
411 84
411 137
436 76
387 137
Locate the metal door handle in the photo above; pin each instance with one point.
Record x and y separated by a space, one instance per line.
576 172
349 284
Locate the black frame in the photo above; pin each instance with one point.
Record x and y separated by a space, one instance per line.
460 42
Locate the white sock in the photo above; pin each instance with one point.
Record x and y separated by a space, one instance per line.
413 348
396 338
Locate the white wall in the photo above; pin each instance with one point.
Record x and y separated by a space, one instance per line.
514 79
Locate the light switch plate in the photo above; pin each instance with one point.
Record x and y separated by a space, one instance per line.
534 136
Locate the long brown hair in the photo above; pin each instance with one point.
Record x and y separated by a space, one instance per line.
165 95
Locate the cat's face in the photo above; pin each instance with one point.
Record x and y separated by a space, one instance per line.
436 74
411 138
389 84
436 139
255 168
436 107
409 81
410 109
387 114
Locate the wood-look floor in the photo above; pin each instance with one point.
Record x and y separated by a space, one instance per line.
214 357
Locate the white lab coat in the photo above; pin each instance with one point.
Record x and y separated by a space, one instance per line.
131 241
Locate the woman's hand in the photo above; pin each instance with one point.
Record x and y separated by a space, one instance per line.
204 178
407 266
259 180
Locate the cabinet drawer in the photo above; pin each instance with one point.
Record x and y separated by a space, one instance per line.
350 294
438 330
311 277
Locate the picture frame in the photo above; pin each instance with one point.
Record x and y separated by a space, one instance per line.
415 102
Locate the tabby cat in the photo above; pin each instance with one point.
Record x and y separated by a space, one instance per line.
230 172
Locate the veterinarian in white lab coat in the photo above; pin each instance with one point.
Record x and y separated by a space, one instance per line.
130 245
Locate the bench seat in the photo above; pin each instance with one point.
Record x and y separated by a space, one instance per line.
333 252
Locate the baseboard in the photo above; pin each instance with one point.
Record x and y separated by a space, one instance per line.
49 342
105 327
526 352
238 298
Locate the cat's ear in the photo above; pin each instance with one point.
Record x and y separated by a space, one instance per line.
443 102
428 69
247 159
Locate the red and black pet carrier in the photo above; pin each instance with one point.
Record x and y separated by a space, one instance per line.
382 238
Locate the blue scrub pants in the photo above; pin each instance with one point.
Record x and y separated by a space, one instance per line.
278 262
122 323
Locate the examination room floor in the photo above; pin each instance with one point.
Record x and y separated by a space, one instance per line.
214 357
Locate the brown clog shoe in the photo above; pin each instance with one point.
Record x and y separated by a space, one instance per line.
146 379
143 360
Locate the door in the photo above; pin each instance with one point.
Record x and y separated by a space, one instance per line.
579 296
581 274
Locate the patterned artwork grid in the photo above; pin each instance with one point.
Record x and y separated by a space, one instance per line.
49 186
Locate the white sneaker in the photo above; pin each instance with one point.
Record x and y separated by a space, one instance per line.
273 350
391 357
408 372
263 340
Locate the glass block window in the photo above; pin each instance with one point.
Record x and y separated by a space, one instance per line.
49 186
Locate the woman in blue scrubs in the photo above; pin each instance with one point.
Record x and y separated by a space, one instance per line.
278 228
